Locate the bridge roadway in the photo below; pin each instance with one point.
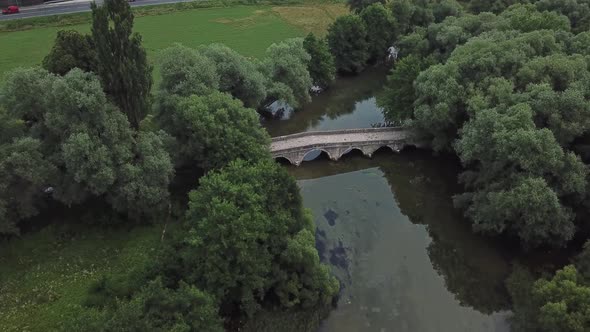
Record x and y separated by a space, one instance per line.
339 142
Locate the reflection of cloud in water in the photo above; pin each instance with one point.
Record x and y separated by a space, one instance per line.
389 281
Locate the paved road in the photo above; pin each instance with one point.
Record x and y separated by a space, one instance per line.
336 137
73 7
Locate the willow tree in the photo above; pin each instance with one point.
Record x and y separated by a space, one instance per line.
122 64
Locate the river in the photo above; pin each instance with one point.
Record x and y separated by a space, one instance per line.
406 259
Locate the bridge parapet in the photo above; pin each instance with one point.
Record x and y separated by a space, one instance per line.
339 142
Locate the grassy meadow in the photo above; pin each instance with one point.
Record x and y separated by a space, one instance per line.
44 276
247 29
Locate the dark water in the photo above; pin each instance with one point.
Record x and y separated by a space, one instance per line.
350 103
406 259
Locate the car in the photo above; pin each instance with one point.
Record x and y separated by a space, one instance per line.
10 10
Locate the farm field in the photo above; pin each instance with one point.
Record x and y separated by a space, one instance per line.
247 29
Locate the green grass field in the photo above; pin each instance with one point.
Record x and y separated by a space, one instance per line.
247 29
45 276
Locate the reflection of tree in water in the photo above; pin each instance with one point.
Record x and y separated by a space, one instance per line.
472 267
474 285
339 100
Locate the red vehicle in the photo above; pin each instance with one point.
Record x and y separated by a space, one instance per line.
10 10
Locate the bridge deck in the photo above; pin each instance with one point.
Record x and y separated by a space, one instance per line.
335 137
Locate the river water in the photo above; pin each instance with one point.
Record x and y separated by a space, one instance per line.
405 258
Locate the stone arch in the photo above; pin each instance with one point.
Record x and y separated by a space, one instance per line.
383 148
321 150
279 158
351 150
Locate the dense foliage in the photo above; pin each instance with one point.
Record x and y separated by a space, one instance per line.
154 308
281 75
347 38
285 69
71 50
122 63
557 303
250 237
212 130
358 5
74 144
321 66
508 94
380 30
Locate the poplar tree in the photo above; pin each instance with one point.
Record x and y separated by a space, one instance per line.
122 64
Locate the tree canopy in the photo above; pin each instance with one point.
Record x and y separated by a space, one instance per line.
321 66
123 68
212 130
250 236
347 38
285 68
510 104
380 30
80 145
70 50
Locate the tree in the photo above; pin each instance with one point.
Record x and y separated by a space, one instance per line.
238 76
71 50
399 95
411 15
358 5
321 67
250 238
380 30
142 189
557 304
88 142
347 38
185 72
285 68
526 18
24 175
212 130
494 6
153 308
157 308
122 63
577 11
516 183
582 261
510 104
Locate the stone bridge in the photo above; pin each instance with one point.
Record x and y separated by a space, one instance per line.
338 142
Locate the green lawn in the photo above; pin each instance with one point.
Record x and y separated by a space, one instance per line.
45 276
247 29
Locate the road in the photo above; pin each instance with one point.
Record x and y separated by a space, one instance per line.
76 6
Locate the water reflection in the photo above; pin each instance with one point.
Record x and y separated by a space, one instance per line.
349 103
406 259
